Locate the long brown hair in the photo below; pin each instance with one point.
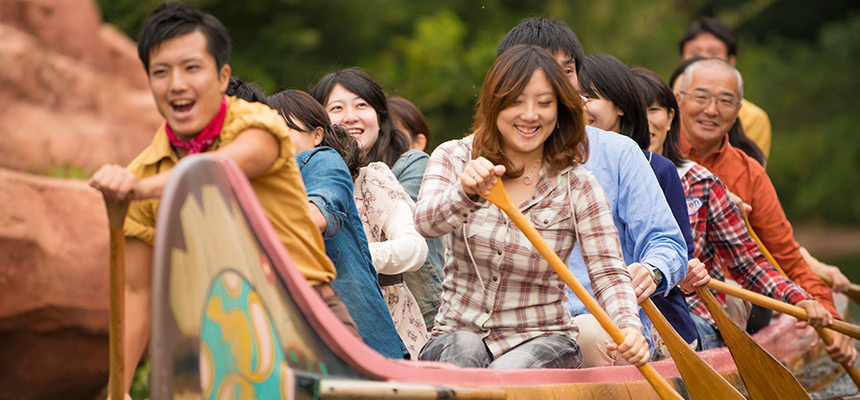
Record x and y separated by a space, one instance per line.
505 81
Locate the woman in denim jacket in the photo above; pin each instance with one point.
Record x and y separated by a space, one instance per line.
329 185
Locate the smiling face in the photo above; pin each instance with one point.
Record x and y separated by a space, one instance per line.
602 113
659 123
186 83
706 125
529 121
348 109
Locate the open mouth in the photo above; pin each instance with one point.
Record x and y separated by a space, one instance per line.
527 131
182 106
355 131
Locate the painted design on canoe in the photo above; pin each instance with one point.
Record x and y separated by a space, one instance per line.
214 238
240 354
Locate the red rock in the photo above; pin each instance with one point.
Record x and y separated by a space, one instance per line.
53 288
74 93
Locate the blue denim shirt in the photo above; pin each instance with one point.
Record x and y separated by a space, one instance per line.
646 226
329 187
426 282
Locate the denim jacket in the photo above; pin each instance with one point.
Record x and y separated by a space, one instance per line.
329 186
426 282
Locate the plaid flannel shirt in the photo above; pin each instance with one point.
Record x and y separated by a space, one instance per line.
496 283
721 237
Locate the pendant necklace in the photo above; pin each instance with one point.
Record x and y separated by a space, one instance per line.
527 179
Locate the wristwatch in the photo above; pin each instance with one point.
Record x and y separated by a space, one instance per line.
657 276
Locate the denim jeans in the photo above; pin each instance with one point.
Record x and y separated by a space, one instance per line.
467 350
709 337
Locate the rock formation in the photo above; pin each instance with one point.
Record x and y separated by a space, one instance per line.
73 96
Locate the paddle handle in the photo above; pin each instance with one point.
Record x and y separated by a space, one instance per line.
853 289
501 199
116 216
776 305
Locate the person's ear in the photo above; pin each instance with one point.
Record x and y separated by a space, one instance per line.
671 114
420 142
224 77
733 60
317 134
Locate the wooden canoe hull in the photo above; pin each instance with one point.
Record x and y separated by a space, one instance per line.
233 318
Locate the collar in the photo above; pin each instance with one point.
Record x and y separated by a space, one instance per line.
691 153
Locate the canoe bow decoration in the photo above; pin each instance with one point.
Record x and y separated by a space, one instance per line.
233 318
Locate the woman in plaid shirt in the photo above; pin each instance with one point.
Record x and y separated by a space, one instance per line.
503 306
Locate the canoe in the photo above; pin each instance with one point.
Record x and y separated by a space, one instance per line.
234 318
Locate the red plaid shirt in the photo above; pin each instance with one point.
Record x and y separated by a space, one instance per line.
721 237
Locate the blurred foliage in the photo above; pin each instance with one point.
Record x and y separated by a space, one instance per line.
799 66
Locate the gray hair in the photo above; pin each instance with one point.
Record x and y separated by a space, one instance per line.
711 63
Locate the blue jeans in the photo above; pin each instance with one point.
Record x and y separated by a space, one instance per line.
467 350
709 337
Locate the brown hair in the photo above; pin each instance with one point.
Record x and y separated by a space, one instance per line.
410 116
505 81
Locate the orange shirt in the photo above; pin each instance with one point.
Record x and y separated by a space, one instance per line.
746 178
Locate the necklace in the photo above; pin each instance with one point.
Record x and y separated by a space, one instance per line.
527 178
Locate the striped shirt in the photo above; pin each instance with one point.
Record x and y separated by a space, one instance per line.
719 233
496 283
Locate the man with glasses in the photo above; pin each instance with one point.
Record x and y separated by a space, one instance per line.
709 101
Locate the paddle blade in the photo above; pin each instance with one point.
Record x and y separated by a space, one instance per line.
764 377
702 381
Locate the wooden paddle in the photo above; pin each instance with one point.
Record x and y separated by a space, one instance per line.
500 198
116 216
702 381
853 290
825 336
776 305
764 376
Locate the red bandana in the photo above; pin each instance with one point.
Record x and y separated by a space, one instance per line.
203 140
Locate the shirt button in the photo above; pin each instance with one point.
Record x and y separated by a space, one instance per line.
487 310
465 215
500 252
546 222
495 279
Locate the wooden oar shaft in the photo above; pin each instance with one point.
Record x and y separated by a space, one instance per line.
852 370
116 216
663 389
767 302
853 289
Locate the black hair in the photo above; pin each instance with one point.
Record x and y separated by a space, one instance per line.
553 35
739 139
713 26
653 90
296 105
410 116
173 19
248 91
391 143
606 76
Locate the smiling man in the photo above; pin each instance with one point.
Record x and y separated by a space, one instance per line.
709 101
185 55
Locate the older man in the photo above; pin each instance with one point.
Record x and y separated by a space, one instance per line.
709 101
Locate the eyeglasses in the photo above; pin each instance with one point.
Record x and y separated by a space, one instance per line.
724 102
